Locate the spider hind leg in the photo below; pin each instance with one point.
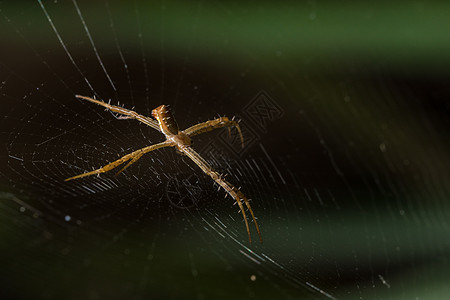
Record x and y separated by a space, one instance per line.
134 156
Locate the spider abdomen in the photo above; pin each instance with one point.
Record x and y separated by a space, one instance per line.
166 120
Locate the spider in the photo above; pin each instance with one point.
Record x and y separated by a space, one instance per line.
181 140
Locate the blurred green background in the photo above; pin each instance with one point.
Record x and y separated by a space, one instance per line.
350 185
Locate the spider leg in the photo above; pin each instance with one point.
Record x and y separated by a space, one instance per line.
214 124
231 190
126 113
130 163
133 156
247 203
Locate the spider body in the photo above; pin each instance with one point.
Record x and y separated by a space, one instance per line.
169 127
181 140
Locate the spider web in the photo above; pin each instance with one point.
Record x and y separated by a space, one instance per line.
345 157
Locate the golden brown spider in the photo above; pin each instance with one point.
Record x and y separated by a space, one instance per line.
165 123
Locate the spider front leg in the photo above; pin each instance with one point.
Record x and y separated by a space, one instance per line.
214 124
125 113
133 157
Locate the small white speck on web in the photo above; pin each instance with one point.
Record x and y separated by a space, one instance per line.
67 218
253 277
384 281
